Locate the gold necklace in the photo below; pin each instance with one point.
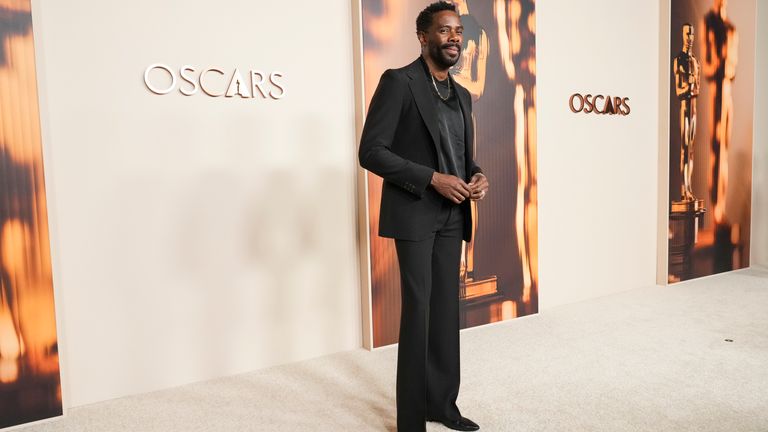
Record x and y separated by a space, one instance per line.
434 84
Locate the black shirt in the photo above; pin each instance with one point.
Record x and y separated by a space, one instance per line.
450 155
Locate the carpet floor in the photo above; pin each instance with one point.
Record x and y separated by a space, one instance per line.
689 357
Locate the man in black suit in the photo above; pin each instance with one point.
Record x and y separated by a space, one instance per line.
418 137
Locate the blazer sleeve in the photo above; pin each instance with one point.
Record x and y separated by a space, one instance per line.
375 153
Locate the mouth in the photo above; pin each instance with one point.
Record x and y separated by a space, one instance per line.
453 50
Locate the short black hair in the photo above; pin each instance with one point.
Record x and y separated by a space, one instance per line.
424 20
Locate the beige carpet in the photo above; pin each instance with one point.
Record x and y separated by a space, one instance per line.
653 359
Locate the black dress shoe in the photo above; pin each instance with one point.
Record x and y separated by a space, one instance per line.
463 424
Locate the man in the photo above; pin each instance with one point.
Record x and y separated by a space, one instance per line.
418 138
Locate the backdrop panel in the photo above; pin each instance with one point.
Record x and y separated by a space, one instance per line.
30 387
498 67
711 128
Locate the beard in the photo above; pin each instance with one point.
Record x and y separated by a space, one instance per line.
441 58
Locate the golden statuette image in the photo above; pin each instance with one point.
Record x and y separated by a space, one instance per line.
687 83
720 46
471 72
687 214
711 117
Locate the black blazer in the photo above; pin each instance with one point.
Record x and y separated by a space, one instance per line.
399 143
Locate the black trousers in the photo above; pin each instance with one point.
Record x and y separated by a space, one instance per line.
428 353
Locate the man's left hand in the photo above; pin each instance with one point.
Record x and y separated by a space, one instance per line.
478 187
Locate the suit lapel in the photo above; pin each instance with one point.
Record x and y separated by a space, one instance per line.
422 94
424 99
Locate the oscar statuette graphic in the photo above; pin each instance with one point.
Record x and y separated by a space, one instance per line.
711 119
30 380
720 45
687 212
498 268
470 72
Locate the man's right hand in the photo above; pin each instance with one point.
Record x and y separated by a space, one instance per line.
450 187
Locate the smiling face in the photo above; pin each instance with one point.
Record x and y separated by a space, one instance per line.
442 41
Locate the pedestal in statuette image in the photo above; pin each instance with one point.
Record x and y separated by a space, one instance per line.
475 295
684 220
471 289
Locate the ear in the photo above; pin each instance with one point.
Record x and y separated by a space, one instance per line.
422 38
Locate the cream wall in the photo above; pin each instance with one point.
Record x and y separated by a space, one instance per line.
760 161
598 175
196 237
